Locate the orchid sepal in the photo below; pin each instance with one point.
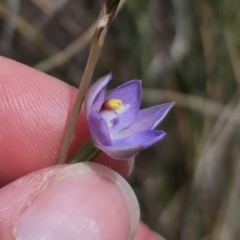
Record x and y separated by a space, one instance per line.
117 125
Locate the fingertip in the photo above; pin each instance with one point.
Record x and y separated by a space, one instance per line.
34 110
16 196
104 173
81 201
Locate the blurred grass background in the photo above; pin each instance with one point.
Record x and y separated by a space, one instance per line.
187 51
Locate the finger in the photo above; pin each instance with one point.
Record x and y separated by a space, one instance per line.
34 109
145 233
80 201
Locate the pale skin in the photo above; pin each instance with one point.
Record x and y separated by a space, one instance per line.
56 201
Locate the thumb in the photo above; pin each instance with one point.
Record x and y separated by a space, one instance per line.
80 201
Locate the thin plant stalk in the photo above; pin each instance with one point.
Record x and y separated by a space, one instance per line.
105 19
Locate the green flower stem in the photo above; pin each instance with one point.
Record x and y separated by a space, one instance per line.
86 153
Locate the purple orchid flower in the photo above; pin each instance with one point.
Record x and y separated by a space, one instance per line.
117 125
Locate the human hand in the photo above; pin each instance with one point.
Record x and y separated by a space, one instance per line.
80 201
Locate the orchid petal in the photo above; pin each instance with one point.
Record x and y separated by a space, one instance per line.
99 129
120 153
130 94
118 126
108 115
147 118
95 95
144 138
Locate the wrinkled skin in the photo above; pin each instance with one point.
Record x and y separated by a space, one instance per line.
39 198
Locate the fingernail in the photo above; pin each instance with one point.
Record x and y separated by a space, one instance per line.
83 201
